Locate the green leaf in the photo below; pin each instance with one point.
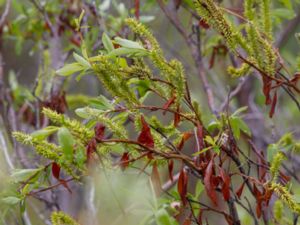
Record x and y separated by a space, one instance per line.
239 110
24 174
163 218
146 19
108 45
199 189
82 61
128 44
213 125
70 69
237 125
83 113
210 140
131 52
11 200
216 149
66 141
44 133
101 103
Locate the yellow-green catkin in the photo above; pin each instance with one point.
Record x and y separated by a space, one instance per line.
47 150
275 165
44 148
60 218
171 71
238 72
266 17
77 129
284 195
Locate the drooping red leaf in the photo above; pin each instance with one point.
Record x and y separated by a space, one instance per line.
212 59
156 179
200 136
57 102
170 169
99 132
55 170
90 149
124 161
267 84
169 103
210 188
240 190
176 118
203 24
267 196
137 9
182 186
226 184
185 137
273 106
145 136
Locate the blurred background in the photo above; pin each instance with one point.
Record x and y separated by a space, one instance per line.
37 37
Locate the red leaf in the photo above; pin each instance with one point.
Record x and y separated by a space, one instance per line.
124 160
226 184
170 169
212 58
55 170
267 83
182 186
274 101
137 9
200 136
240 190
176 118
90 149
156 179
169 103
210 188
99 132
203 24
145 136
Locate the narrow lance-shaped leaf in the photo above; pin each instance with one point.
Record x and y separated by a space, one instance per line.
66 141
55 170
145 136
209 186
182 185
155 179
124 161
108 45
70 69
226 184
